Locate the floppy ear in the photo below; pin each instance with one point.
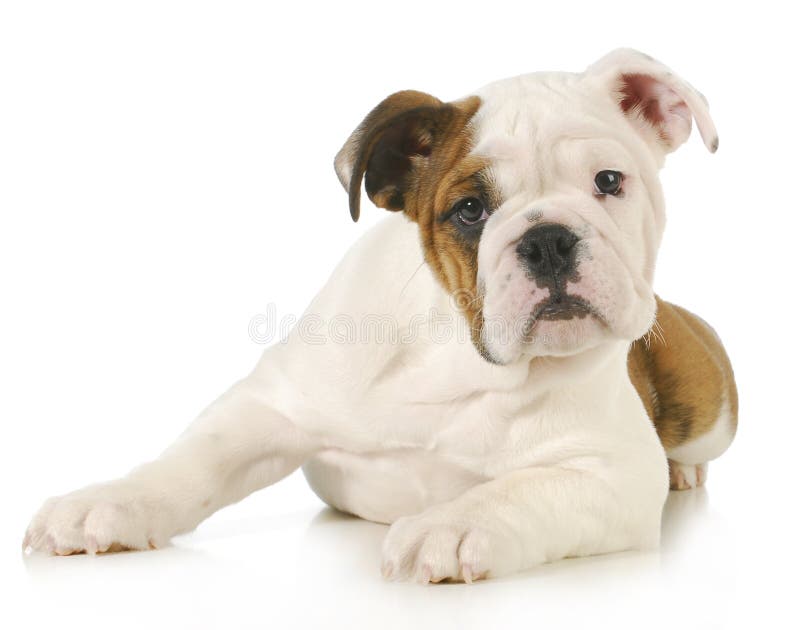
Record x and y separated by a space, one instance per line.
389 147
657 102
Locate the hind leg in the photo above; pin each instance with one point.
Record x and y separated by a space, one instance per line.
688 462
686 476
686 384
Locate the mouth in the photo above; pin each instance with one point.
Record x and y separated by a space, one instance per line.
562 308
551 324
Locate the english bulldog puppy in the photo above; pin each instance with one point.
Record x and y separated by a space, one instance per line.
488 370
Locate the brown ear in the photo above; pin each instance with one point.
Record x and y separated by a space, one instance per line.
387 147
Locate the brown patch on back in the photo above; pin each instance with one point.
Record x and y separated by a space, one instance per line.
682 375
412 152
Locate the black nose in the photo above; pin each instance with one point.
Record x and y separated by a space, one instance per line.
548 254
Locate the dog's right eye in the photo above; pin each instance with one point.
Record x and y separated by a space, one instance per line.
471 211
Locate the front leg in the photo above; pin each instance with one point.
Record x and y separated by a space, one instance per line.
526 518
238 445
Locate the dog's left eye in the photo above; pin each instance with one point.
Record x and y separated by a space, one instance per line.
471 211
608 183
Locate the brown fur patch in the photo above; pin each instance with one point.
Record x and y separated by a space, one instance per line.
682 374
452 257
412 151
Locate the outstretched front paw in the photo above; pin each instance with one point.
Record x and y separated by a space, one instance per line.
435 546
115 516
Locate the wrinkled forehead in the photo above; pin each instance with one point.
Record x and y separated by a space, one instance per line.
523 122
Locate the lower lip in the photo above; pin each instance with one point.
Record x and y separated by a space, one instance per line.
563 312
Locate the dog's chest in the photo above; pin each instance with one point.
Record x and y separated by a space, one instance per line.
424 458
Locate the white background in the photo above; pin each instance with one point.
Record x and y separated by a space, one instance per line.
166 173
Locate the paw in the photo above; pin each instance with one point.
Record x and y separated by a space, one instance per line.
107 517
686 477
432 548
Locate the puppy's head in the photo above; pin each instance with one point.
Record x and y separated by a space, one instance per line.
537 198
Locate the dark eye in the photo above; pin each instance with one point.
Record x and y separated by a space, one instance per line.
608 183
471 211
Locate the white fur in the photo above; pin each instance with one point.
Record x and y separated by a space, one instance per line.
547 134
482 469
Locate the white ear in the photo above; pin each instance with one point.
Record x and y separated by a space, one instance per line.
654 99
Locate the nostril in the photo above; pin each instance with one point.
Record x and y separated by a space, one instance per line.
564 245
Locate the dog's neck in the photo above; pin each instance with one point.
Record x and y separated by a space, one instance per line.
580 370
